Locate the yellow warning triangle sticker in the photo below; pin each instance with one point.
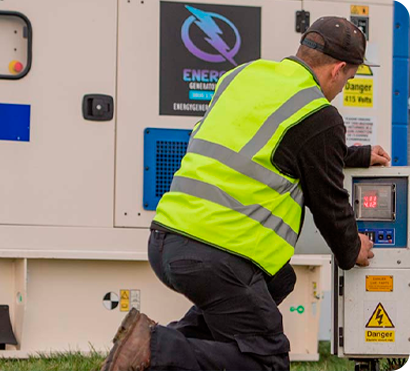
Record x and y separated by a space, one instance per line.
364 71
124 295
380 319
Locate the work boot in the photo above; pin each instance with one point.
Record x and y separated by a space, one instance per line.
131 350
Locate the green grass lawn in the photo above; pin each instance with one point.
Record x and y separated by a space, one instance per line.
327 362
77 362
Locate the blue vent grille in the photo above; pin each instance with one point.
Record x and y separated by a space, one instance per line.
163 152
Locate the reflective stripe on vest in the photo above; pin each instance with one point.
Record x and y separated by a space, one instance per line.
214 194
227 192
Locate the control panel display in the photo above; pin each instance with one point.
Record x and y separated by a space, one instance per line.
374 202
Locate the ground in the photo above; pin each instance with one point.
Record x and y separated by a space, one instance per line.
76 362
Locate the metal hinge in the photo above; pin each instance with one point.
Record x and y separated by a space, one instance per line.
341 286
302 21
341 338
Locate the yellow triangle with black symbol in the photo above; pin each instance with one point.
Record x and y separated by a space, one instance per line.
380 318
364 71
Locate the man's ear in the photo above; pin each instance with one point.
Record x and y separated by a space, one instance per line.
338 69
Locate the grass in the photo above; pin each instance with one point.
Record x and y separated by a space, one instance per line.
327 362
75 361
70 361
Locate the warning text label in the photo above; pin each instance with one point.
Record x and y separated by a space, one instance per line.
379 283
358 93
380 336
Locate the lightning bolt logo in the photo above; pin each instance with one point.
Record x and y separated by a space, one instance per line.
205 21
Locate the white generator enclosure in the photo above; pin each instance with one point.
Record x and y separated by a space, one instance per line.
97 102
371 304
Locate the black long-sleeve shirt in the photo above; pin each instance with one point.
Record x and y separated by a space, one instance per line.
315 152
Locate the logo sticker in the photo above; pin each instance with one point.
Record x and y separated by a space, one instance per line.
199 43
213 35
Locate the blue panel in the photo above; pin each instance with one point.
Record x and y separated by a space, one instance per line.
15 122
397 229
400 90
381 236
400 120
399 145
163 152
400 31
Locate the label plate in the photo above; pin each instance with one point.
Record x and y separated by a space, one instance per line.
379 283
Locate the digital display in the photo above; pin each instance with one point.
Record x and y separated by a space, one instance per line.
370 199
374 201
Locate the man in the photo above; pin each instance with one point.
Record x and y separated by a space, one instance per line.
223 236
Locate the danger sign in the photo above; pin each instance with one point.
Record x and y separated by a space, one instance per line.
358 93
380 318
380 336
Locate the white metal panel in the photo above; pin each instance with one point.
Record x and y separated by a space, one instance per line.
379 50
65 174
138 88
301 310
360 305
355 308
73 243
62 313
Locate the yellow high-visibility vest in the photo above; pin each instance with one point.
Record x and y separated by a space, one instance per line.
227 192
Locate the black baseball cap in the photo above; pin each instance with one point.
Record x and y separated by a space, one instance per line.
343 40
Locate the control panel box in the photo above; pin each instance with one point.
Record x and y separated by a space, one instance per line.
371 303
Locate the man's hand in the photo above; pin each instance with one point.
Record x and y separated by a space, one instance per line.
379 156
365 251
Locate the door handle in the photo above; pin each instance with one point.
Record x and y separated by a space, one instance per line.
98 107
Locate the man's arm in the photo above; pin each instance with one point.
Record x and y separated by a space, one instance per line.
320 163
365 156
358 156
314 151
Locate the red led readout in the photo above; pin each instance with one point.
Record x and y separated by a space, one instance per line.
370 200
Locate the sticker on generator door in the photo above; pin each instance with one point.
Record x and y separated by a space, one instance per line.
378 321
124 300
379 283
198 44
359 16
373 336
130 299
362 10
364 70
110 300
360 131
380 318
135 299
358 93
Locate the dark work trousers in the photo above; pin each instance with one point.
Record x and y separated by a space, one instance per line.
234 324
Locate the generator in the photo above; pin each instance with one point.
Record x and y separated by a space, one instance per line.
97 102
370 303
